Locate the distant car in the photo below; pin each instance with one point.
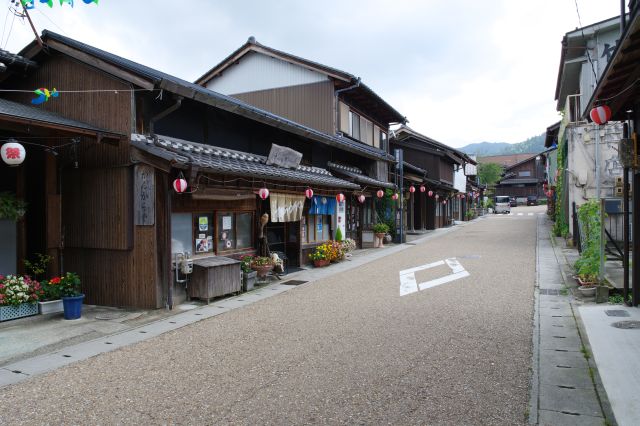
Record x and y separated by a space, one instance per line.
532 200
513 202
502 204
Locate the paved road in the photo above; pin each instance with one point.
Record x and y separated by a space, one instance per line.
345 349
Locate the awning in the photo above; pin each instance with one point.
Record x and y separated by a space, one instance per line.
22 115
357 176
230 162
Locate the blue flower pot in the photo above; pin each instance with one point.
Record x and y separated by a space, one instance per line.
72 307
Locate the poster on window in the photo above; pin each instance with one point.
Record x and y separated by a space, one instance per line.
226 222
202 245
203 223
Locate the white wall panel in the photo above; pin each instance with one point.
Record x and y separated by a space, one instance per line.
257 71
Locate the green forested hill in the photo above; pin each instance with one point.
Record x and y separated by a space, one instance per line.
484 149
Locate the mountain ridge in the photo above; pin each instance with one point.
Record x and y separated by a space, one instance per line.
532 145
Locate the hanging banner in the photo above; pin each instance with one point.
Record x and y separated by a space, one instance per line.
286 208
321 204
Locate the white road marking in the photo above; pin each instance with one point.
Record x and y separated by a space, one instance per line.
529 214
520 214
408 282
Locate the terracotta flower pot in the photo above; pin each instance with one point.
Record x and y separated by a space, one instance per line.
262 270
318 263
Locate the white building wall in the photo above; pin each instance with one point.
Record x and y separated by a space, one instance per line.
581 166
460 180
257 71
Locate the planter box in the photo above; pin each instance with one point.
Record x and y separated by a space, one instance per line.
50 307
248 280
14 312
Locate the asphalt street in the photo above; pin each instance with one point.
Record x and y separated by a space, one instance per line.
344 349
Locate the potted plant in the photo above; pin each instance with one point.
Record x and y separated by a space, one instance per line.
348 245
72 297
262 265
248 274
18 297
380 230
320 256
51 301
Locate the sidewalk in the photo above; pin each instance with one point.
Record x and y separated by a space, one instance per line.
566 388
38 344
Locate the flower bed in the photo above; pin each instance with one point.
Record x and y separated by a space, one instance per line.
18 297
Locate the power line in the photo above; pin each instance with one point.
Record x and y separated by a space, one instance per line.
5 24
10 29
595 75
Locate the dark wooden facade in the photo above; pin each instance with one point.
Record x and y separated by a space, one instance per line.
524 178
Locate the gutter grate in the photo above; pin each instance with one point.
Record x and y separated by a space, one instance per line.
616 313
294 282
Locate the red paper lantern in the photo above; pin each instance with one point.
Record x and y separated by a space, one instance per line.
394 196
13 153
437 196
380 193
361 198
309 193
412 189
444 201
180 185
600 114
340 197
263 193
431 194
422 188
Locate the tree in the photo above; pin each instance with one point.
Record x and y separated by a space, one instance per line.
489 173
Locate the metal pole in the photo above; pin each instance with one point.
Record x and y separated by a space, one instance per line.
625 222
602 237
597 161
635 271
399 158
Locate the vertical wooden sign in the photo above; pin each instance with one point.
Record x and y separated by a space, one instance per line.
144 195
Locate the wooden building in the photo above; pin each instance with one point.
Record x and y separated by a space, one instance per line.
331 101
104 207
436 165
524 178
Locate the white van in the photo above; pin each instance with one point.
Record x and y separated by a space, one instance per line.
502 204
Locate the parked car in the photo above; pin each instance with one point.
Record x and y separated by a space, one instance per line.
513 202
502 204
532 200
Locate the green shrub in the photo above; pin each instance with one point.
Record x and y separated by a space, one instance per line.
338 234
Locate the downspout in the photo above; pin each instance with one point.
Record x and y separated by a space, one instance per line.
163 114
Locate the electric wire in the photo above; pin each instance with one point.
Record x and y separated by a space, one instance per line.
4 27
593 69
9 33
50 20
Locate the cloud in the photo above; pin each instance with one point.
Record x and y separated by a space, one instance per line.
461 72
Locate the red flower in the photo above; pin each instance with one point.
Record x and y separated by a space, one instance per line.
55 280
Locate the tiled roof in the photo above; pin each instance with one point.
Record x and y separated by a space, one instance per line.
519 181
12 60
357 175
413 168
221 101
228 161
27 112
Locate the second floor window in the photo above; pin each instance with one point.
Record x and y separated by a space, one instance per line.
525 173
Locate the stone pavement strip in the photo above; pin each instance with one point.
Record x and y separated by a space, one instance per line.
565 386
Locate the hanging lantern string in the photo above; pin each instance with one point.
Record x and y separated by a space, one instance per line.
302 187
45 147
84 91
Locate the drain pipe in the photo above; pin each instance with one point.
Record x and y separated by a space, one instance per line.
162 114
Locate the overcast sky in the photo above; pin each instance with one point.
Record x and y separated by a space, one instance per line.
461 72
